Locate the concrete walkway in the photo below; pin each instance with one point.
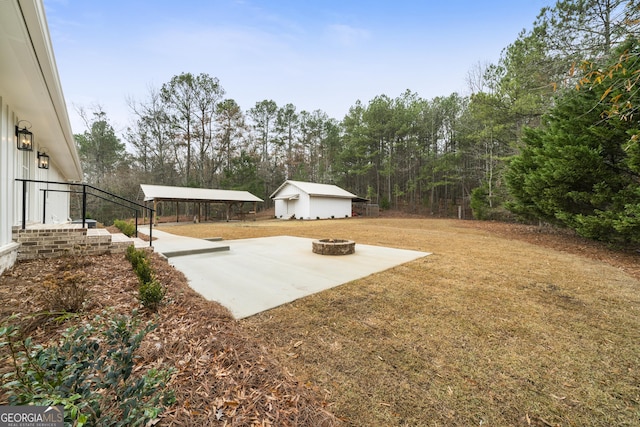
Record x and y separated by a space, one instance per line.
171 245
254 275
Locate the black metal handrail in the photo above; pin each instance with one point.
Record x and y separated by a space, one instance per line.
84 201
44 206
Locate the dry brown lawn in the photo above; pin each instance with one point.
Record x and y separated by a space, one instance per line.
501 326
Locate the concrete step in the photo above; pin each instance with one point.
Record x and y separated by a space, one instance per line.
122 239
170 245
97 232
98 236
197 251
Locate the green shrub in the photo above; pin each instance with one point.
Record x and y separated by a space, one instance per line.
128 228
151 293
480 203
132 254
135 256
150 290
484 210
89 372
139 263
143 270
384 203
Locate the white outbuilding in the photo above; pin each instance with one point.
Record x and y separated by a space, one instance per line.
308 200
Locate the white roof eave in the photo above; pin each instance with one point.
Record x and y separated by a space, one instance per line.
31 85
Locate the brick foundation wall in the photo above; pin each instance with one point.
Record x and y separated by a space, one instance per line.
57 242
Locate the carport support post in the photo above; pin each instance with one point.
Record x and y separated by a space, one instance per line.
177 212
154 220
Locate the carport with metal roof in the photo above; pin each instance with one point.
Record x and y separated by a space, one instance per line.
230 198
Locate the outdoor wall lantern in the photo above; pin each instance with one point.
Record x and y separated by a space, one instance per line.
24 138
43 160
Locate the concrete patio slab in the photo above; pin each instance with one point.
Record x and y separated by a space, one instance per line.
259 274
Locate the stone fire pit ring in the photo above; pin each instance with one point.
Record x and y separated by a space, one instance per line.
333 247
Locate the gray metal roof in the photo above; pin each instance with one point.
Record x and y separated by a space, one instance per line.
164 192
314 189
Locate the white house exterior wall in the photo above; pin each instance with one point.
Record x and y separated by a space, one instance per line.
288 190
286 208
57 202
30 90
13 164
303 208
8 165
326 207
23 164
282 209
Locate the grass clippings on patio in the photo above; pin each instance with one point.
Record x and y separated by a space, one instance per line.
503 325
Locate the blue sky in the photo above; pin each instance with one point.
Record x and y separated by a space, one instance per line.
320 54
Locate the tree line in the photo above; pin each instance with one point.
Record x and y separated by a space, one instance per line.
548 133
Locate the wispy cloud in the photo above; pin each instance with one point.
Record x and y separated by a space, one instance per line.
346 35
315 55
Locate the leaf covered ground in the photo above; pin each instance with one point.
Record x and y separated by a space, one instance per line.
503 325
222 376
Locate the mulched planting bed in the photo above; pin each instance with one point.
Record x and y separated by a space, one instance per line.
222 376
